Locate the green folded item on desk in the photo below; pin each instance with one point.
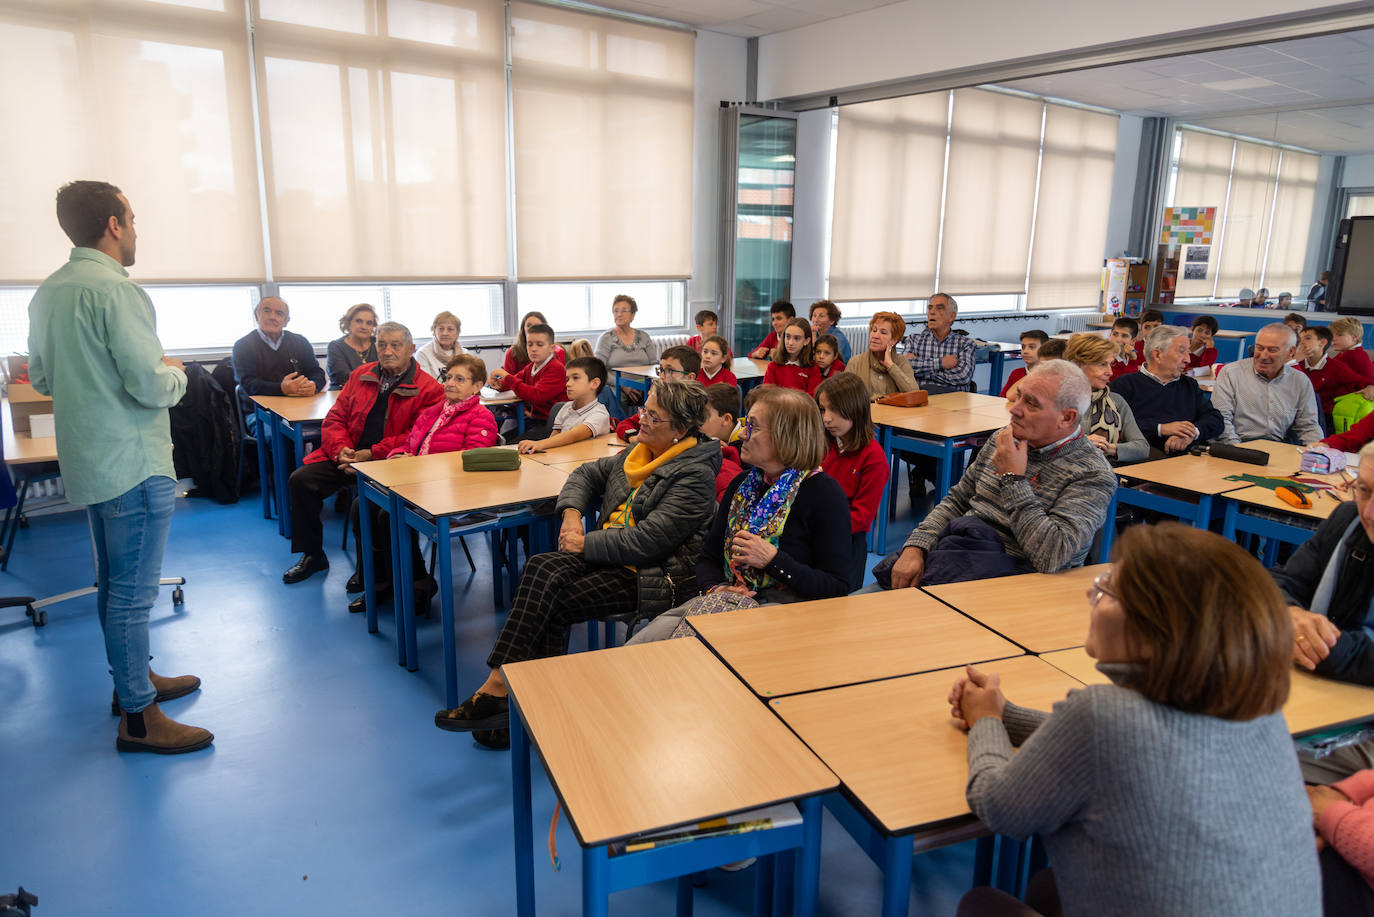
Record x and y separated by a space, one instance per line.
491 458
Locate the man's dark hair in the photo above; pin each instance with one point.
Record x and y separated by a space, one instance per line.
1297 317
724 398
546 330
1035 334
706 315
592 368
84 209
1152 315
1053 349
688 358
1129 324
1323 334
1207 322
783 306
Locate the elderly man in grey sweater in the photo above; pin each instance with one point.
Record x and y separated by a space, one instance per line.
1039 484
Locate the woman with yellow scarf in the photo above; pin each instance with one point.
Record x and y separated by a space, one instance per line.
657 500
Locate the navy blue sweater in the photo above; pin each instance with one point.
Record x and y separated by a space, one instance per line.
259 369
1154 404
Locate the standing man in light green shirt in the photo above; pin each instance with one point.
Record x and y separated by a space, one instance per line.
93 347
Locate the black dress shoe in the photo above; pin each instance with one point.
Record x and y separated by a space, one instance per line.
306 567
355 582
479 712
359 605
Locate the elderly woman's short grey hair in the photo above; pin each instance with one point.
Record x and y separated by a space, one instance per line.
394 328
1074 391
684 403
1161 337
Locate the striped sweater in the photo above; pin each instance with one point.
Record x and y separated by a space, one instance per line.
1046 519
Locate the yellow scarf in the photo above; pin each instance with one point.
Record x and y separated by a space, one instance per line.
638 466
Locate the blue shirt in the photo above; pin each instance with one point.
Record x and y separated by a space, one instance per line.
926 352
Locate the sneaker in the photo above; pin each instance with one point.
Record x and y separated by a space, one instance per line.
494 739
306 567
481 711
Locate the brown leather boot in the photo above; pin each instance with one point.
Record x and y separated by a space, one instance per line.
167 688
151 730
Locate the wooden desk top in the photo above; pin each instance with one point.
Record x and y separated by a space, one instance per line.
470 491
938 422
967 401
1206 474
1234 335
298 410
490 397
1040 611
748 368
1107 325
586 451
1322 504
893 744
1314 703
412 469
21 448
644 737
786 649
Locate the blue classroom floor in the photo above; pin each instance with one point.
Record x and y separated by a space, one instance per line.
328 789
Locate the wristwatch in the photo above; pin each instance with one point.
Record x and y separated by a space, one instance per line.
1008 476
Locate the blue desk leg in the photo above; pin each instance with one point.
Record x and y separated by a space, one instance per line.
265 481
763 886
520 418
996 364
279 475
365 548
684 896
445 572
785 882
402 600
1109 528
897 857
596 881
1228 526
1203 519
617 385
809 869
524 819
945 471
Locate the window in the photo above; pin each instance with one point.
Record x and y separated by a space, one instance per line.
203 317
584 309
317 308
1359 204
14 318
1264 195
1000 199
969 305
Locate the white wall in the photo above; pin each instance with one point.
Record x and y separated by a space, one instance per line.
918 37
720 75
1359 172
1124 179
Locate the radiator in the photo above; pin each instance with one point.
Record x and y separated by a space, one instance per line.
664 341
1073 322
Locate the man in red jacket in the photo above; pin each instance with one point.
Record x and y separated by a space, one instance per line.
369 420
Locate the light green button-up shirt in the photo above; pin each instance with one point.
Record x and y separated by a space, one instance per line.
93 347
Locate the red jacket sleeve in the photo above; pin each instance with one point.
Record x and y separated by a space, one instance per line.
770 375
873 475
1016 376
1351 440
547 389
509 364
407 411
627 428
1358 360
482 431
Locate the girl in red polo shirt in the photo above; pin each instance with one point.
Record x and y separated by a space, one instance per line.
854 458
792 366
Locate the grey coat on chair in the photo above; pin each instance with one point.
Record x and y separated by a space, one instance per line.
672 510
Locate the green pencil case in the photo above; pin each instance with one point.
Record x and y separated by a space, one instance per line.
491 458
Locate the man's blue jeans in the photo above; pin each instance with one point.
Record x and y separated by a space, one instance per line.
130 533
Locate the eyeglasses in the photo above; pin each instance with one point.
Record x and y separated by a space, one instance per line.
665 371
1101 586
751 426
646 415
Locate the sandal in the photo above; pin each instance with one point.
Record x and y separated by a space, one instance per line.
481 711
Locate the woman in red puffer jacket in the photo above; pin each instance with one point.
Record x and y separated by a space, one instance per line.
458 422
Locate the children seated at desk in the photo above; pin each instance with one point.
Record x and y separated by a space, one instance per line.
1202 352
826 353
582 416
722 410
1124 334
1175 789
1150 319
1052 349
1330 378
676 364
706 322
854 459
792 365
825 318
517 355
541 383
1347 346
780 313
715 350
1031 342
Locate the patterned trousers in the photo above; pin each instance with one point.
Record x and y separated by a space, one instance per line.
556 591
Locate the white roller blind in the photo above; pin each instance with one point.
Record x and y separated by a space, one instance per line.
383 138
889 173
152 97
1297 193
1204 173
603 146
1245 224
1071 217
994 150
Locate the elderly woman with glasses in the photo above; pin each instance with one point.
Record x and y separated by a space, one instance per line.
781 533
656 500
1108 423
1174 788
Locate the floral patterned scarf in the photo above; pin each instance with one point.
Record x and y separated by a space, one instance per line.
451 410
762 510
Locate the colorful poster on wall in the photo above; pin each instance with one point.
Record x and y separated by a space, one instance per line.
1114 285
1185 244
1187 226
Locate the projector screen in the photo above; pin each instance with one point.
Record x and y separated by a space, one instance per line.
1357 286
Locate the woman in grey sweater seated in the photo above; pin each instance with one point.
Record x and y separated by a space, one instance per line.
1108 422
1175 789
657 499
